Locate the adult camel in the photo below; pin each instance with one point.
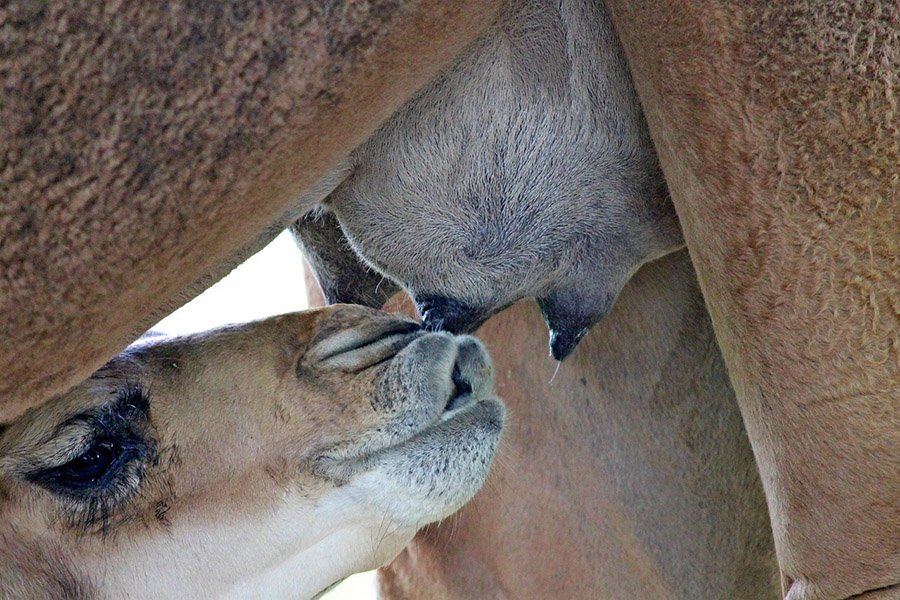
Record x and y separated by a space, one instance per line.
146 148
777 129
749 199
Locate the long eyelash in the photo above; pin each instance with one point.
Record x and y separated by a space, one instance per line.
134 398
95 513
125 419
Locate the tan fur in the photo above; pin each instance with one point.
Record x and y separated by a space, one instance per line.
778 133
143 145
626 473
269 460
751 107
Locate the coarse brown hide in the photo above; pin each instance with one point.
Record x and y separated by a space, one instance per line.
624 473
776 127
778 131
263 460
146 147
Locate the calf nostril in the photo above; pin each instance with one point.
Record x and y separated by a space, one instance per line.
462 390
462 385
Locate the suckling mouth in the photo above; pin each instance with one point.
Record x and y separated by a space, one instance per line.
341 467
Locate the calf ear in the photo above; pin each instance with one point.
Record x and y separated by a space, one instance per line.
343 277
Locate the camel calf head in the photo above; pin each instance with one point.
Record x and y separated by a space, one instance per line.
525 170
280 455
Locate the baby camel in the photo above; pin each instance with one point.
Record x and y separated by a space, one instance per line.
271 458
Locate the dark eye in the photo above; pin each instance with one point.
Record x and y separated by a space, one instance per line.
87 468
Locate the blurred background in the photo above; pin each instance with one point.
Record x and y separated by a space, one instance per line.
268 283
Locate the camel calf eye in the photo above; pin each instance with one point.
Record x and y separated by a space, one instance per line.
88 468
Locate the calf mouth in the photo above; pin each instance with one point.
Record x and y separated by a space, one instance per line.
464 439
434 473
470 418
